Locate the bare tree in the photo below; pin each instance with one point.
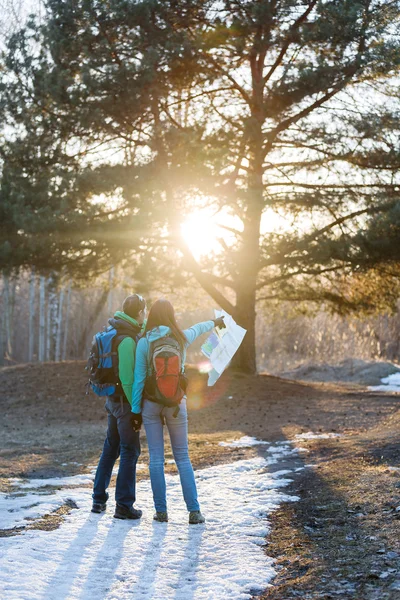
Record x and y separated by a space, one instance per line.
32 285
65 342
42 318
59 325
7 317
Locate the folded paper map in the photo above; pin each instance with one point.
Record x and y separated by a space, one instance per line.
221 345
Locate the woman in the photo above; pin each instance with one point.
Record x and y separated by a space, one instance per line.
161 322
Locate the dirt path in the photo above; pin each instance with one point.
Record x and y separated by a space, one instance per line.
342 538
339 540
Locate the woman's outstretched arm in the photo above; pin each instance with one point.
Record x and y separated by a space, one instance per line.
195 330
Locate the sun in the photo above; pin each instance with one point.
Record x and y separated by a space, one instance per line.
201 232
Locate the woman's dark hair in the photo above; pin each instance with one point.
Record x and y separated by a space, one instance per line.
133 305
162 313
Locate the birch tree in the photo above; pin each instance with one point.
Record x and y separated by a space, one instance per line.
42 322
67 312
59 325
31 341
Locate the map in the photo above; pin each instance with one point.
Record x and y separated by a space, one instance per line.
221 345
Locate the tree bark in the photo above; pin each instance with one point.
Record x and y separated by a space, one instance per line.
3 324
52 311
59 325
245 316
48 321
245 310
65 342
42 300
32 285
7 317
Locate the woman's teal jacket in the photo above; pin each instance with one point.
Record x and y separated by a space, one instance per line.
141 364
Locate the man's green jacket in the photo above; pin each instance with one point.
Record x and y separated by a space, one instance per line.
126 325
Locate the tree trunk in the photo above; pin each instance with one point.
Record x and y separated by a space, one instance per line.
7 317
11 317
42 300
245 310
65 342
48 322
59 325
32 285
2 324
52 311
245 316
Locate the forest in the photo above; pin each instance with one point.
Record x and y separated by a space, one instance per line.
247 151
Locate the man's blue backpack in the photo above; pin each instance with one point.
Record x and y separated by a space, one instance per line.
103 363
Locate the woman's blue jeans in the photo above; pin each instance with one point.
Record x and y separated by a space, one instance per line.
178 432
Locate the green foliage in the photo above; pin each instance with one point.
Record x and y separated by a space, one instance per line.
122 116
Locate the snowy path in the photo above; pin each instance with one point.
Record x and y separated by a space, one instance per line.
97 557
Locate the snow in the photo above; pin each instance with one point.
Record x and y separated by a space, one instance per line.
95 556
316 436
390 384
54 481
14 510
244 442
72 480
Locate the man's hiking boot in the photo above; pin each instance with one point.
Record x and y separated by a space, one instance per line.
196 517
162 517
99 507
121 512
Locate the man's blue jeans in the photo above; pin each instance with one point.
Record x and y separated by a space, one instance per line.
123 442
178 433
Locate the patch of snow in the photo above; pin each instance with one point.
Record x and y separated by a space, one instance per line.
283 451
16 511
95 556
348 370
54 481
389 384
70 480
316 436
244 442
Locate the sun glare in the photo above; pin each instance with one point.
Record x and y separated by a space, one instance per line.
201 232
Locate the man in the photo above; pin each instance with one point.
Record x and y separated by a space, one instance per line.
122 439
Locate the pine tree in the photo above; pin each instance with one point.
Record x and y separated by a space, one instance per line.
264 108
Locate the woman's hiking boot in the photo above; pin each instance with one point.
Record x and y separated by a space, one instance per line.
161 517
196 517
121 512
99 507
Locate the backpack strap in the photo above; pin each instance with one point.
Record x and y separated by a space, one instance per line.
149 355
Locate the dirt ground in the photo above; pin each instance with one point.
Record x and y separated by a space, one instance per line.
341 540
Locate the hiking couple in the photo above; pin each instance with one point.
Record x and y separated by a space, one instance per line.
145 361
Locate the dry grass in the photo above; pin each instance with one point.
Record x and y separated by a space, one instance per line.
342 538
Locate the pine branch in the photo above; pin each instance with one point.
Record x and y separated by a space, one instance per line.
289 40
